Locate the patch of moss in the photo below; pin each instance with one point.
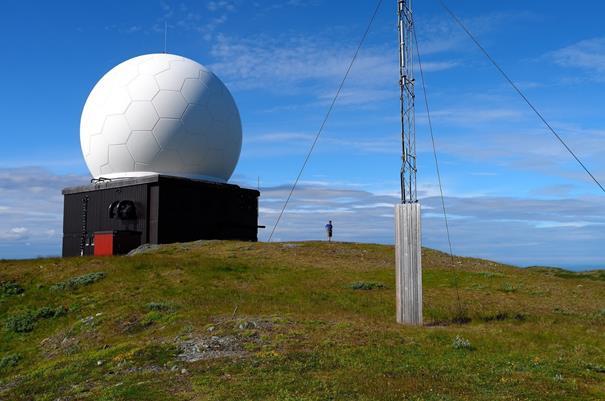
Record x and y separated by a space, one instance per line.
159 306
9 361
79 281
26 321
21 323
11 288
150 318
509 288
367 285
502 316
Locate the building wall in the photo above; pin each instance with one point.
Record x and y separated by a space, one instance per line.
189 211
98 215
169 209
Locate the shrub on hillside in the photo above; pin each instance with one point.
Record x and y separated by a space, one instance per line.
159 306
22 323
10 288
509 288
79 281
26 321
9 361
461 343
367 285
48 313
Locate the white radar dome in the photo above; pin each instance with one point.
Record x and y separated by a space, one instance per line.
163 114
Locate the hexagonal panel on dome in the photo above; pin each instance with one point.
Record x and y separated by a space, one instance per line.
123 74
170 80
169 133
154 65
195 91
206 77
220 136
116 129
216 89
185 69
142 146
212 164
99 94
117 102
233 126
142 116
120 159
168 161
106 169
197 119
193 149
221 105
92 122
143 87
169 104
98 155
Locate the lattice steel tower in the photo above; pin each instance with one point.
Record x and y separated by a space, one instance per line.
408 256
406 83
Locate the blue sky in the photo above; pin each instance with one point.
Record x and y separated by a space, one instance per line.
514 194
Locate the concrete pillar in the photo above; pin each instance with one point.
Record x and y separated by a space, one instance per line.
408 263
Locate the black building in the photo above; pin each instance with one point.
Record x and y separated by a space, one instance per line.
121 214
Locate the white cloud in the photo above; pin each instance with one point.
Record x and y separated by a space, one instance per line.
562 231
268 6
501 139
476 116
434 66
32 210
438 35
588 55
221 5
282 143
14 234
311 65
516 230
262 60
205 22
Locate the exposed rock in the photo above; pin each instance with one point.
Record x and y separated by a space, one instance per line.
199 349
183 246
145 248
254 323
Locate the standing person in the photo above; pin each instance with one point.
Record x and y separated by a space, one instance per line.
329 228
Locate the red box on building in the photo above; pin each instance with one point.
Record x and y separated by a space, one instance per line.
109 243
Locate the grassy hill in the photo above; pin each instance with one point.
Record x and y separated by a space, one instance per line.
296 321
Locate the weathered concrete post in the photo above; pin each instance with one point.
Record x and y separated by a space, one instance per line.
408 263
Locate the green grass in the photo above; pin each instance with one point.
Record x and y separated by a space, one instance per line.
298 326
